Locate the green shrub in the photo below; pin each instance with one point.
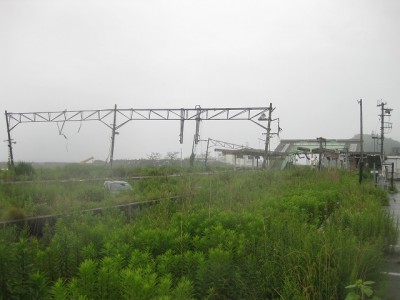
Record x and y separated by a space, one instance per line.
15 213
249 235
24 171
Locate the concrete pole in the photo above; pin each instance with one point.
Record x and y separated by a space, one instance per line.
113 136
392 177
9 142
205 161
361 163
267 138
382 105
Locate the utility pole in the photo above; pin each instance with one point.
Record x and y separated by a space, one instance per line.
113 136
361 162
198 119
385 112
208 144
392 177
267 138
10 150
374 138
320 140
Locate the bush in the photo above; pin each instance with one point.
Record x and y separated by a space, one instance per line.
250 235
15 213
24 171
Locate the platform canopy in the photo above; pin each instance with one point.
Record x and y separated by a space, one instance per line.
299 146
350 146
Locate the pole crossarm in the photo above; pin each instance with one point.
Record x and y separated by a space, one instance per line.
254 114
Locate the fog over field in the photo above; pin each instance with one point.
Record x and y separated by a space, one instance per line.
311 59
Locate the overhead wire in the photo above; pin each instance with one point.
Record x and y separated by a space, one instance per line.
60 132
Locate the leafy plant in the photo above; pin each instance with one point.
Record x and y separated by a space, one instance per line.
24 170
249 235
361 290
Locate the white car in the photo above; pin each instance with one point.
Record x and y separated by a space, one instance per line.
116 186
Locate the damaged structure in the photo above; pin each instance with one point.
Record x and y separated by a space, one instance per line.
317 153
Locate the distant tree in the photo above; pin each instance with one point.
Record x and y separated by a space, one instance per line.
172 155
154 156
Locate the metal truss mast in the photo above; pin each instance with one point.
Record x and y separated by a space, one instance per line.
115 118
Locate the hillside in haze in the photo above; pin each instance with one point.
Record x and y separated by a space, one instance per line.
371 145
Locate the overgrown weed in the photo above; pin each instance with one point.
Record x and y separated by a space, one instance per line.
252 235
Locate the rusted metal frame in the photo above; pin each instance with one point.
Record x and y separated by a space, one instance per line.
226 144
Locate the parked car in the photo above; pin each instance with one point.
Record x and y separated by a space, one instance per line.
116 186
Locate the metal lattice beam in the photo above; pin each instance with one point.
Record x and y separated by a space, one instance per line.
214 143
254 114
109 118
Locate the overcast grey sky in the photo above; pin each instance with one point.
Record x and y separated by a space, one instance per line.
312 59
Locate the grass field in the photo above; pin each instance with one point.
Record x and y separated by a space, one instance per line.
295 234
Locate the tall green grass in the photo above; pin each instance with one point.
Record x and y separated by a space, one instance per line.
298 234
